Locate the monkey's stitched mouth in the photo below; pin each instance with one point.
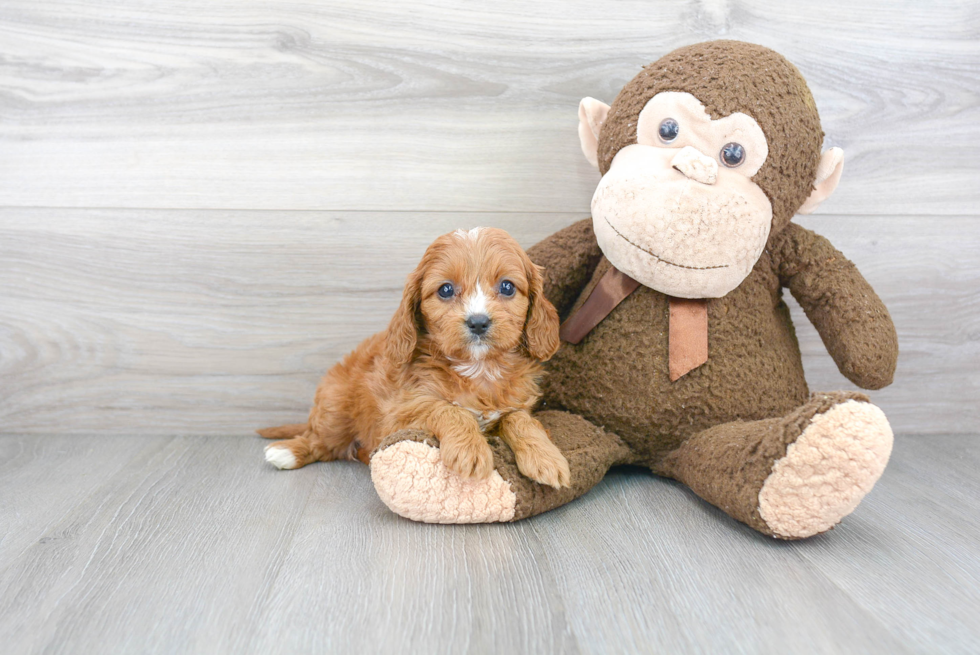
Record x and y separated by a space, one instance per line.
658 257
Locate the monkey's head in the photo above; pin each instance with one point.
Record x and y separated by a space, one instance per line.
704 155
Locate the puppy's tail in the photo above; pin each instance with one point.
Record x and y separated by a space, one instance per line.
284 431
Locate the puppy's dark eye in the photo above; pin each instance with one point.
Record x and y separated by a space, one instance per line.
507 288
732 154
669 129
446 291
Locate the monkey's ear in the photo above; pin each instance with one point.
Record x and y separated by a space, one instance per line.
828 175
591 115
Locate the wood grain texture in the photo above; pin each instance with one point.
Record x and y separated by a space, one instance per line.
889 533
30 511
409 588
175 322
199 323
392 105
173 550
204 205
187 321
679 590
199 546
218 322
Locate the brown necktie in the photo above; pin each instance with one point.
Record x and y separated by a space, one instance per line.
612 289
687 334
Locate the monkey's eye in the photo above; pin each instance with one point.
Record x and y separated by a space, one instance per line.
668 130
732 155
446 291
507 288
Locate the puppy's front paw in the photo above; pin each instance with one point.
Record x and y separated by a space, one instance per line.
468 457
543 462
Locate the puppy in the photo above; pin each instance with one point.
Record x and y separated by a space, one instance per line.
461 356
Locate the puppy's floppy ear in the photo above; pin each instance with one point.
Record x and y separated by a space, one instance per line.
541 327
403 331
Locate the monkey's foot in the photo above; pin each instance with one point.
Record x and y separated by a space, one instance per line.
826 472
411 479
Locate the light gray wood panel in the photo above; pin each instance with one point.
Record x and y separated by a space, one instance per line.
200 323
674 574
199 546
168 557
33 500
918 529
169 322
360 579
435 106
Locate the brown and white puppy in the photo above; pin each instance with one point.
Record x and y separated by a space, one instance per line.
461 356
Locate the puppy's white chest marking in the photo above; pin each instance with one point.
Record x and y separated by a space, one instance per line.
478 368
487 419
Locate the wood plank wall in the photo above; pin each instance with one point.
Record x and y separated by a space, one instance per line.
203 205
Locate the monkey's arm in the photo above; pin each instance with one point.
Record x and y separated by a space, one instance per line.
849 316
569 258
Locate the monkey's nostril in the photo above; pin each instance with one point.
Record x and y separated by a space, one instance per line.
478 323
695 165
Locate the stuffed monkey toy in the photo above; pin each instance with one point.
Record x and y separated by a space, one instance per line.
678 351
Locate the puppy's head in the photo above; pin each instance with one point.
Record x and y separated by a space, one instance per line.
475 293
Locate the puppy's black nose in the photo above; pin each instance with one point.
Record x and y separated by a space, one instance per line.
478 323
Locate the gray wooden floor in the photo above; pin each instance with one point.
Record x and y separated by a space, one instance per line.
195 545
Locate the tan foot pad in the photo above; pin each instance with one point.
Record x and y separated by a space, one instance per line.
411 479
827 471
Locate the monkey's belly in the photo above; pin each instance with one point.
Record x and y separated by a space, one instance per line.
617 377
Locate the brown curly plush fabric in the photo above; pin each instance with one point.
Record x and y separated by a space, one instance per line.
851 319
752 384
754 369
728 77
590 452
